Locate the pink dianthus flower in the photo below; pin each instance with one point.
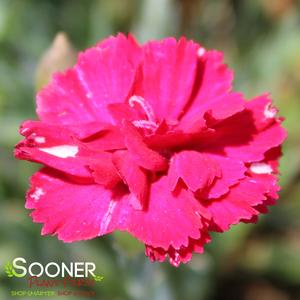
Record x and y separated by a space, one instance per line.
151 140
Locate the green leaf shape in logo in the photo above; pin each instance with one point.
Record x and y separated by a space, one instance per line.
9 270
98 277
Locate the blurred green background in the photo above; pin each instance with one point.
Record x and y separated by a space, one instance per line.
261 41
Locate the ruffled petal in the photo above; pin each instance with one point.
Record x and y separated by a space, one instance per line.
72 211
57 147
140 152
232 171
265 173
239 204
216 78
134 177
248 135
218 108
263 112
169 220
53 146
212 91
197 170
209 175
103 74
177 256
168 75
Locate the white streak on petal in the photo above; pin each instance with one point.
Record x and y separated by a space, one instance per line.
40 139
201 51
37 194
83 82
252 181
107 217
269 111
62 114
176 260
62 151
23 130
261 168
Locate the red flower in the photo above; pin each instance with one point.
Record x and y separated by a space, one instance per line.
152 140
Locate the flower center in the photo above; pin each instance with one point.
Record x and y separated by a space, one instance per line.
150 123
